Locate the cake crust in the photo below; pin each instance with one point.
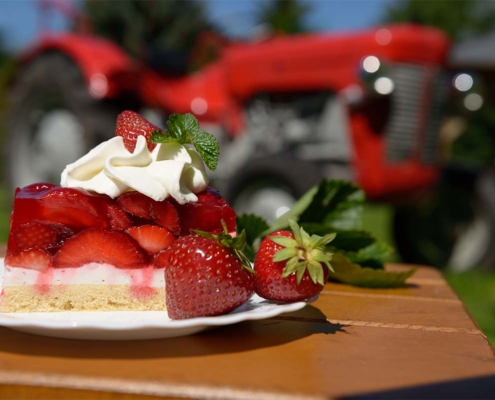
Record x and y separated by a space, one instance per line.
26 298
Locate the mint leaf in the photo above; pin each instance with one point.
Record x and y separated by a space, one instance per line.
207 147
184 129
161 137
182 126
253 226
348 272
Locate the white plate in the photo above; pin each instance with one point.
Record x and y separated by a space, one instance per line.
133 325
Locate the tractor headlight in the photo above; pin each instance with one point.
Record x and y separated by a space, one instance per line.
468 87
375 76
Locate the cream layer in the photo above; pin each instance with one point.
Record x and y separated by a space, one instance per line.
89 274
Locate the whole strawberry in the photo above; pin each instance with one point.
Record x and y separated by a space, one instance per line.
130 125
292 266
205 275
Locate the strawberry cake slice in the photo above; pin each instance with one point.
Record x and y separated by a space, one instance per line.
91 243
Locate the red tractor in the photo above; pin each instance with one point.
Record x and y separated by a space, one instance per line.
288 111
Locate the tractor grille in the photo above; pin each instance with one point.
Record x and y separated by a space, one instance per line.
417 106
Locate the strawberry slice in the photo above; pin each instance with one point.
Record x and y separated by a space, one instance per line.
165 215
162 213
206 214
39 235
152 238
100 246
161 259
119 220
130 125
74 208
136 204
36 259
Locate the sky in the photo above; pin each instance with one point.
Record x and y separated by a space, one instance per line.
19 20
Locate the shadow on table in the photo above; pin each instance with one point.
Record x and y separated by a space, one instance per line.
236 338
472 388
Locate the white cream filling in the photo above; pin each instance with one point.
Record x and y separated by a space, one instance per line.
89 274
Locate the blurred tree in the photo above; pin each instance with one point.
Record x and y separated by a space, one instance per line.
284 16
459 19
136 25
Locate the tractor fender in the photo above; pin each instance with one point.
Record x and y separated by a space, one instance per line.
106 68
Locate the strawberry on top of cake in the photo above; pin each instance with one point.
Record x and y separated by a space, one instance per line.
91 243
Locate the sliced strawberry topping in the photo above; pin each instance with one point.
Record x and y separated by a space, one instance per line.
36 259
39 235
119 220
136 204
74 208
206 214
130 125
165 215
161 259
152 238
100 246
162 213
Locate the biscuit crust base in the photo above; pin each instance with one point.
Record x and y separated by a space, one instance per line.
27 298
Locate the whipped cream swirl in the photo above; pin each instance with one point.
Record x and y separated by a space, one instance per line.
171 169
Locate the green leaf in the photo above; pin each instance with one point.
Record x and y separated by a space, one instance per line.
182 125
331 202
284 254
375 251
293 214
348 272
292 266
207 146
284 241
336 203
160 137
254 226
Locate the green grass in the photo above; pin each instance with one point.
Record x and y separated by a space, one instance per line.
5 207
477 290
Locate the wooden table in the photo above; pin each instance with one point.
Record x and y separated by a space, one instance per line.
413 342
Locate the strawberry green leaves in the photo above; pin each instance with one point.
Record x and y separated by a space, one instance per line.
184 129
304 253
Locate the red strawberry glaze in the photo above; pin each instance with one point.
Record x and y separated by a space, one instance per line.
141 283
44 282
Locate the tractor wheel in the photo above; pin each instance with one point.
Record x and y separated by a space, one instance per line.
269 187
52 121
454 228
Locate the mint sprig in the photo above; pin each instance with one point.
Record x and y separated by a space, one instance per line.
184 129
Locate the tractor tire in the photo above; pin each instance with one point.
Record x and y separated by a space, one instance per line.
454 229
269 186
52 120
